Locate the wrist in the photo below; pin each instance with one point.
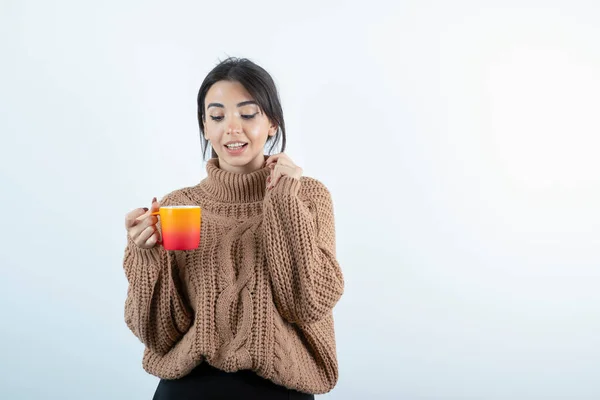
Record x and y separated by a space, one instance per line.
287 186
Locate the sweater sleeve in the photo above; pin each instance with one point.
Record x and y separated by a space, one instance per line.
155 309
299 243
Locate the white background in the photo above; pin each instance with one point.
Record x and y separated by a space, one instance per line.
459 141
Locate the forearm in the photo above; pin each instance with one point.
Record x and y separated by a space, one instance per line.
300 247
154 309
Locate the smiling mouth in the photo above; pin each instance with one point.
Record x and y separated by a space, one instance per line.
236 146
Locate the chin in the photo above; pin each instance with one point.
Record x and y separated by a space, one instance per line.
239 161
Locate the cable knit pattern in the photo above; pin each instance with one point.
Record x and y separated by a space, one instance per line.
257 294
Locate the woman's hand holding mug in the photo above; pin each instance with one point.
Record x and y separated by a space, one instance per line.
180 226
141 226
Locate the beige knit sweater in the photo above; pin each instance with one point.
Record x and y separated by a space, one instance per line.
257 294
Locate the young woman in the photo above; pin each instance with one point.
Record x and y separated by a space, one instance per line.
249 313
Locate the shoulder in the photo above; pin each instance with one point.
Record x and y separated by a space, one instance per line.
314 189
312 185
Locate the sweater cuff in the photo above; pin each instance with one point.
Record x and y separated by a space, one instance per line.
287 185
144 256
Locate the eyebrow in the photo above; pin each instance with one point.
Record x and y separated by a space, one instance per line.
243 103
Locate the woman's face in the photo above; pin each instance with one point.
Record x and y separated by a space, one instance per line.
236 127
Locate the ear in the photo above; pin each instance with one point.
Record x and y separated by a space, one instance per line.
202 120
272 130
204 130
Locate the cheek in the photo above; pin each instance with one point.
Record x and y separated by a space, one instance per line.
212 130
257 130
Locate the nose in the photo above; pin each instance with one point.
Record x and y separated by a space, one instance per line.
234 127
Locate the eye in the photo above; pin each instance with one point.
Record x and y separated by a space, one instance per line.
218 118
249 116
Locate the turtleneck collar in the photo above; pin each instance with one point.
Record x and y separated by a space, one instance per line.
234 187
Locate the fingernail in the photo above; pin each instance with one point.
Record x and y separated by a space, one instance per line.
153 199
145 208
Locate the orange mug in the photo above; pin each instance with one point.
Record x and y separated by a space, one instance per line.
180 227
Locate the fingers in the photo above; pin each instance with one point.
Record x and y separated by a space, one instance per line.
274 159
142 226
152 241
279 159
275 176
131 217
278 171
153 208
280 165
270 160
146 234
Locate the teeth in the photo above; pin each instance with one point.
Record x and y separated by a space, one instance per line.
235 145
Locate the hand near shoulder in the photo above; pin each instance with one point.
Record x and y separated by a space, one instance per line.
281 165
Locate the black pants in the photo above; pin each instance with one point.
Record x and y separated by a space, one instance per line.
208 383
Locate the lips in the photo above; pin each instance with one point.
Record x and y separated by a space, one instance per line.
235 145
236 150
